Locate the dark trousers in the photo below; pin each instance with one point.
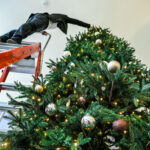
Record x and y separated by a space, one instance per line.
36 23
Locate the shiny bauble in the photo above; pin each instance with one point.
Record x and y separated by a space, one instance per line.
120 125
72 65
66 53
99 42
103 88
38 88
96 33
81 100
53 68
88 122
50 109
113 66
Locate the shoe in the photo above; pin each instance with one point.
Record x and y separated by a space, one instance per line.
12 41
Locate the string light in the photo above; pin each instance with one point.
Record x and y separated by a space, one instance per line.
60 86
5 144
78 54
75 143
101 99
65 60
33 97
39 99
140 116
47 119
37 129
115 103
125 67
82 50
100 133
125 132
108 122
74 91
92 74
137 100
66 120
100 76
121 113
24 115
45 134
68 85
64 78
56 115
31 119
59 96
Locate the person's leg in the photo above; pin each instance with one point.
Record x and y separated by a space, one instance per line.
23 31
37 23
7 36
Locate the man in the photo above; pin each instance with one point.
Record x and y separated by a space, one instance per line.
39 22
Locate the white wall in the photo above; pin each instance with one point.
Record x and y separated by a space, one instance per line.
126 18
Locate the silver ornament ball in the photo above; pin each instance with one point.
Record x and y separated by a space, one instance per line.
113 66
66 53
50 109
88 122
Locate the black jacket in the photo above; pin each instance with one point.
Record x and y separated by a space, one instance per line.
63 20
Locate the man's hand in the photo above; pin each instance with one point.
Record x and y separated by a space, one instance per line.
44 33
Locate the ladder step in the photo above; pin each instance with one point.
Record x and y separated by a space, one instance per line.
26 70
26 63
8 46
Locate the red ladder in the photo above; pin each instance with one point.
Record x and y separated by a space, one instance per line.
12 60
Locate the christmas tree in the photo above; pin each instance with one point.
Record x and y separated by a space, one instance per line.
96 97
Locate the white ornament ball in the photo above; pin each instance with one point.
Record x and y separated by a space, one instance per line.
88 122
113 66
39 88
99 42
66 53
72 65
96 33
50 109
101 64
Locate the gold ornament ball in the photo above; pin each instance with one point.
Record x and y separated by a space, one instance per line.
99 42
82 100
39 88
113 66
120 125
